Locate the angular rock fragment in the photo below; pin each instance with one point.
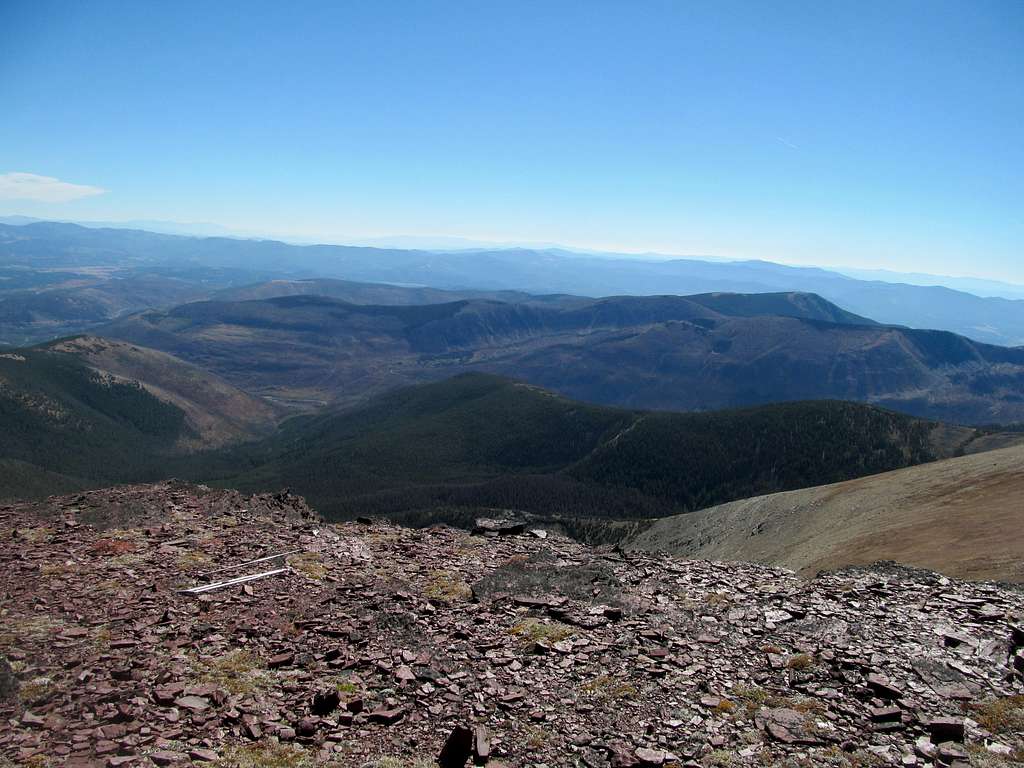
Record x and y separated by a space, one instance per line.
457 749
325 702
482 744
192 703
884 687
789 726
386 716
946 729
499 527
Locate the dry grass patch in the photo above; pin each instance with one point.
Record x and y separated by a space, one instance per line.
720 758
36 690
1002 715
536 737
469 544
239 672
980 756
607 688
395 762
36 761
539 631
193 559
860 758
309 565
266 754
446 587
751 697
800 662
22 630
126 560
725 707
36 534
805 704
54 569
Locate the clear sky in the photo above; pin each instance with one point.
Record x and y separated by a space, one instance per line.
871 134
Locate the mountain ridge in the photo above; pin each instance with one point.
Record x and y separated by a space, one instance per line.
993 320
702 352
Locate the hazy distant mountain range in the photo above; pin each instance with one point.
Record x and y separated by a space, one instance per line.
197 266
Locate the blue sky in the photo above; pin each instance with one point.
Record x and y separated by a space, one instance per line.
872 134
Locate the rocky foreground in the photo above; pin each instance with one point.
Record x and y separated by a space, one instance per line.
390 647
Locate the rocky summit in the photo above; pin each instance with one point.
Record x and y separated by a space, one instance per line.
368 644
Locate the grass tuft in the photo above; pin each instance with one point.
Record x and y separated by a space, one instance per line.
447 587
751 697
36 690
1001 715
538 631
720 758
266 754
190 560
606 688
726 707
800 662
239 672
308 564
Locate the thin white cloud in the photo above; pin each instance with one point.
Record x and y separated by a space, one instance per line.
789 144
44 189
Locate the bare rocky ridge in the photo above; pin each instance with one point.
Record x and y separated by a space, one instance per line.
514 647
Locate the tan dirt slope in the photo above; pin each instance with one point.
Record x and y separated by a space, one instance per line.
218 412
963 517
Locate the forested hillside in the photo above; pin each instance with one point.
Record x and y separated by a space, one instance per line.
62 418
479 441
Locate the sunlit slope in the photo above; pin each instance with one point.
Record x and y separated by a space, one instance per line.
963 516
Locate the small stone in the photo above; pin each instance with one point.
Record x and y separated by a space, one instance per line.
883 687
166 757
650 756
280 660
193 703
325 702
884 714
404 674
30 719
621 755
386 716
481 745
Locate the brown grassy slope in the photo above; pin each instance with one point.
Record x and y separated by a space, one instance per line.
963 517
218 412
